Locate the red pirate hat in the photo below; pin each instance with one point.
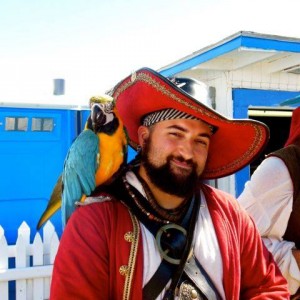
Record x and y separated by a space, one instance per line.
234 144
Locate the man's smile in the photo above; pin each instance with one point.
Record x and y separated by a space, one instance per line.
182 164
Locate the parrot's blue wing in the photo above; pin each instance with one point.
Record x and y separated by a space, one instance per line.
78 176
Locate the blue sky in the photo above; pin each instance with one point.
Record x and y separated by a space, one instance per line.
94 44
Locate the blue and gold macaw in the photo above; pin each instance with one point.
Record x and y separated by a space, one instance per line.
94 158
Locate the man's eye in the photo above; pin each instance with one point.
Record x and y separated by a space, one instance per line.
175 133
202 142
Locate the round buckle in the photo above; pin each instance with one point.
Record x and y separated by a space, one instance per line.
164 253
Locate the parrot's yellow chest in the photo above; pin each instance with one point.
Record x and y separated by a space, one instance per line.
111 154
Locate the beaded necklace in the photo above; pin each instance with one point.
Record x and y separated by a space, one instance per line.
159 214
173 215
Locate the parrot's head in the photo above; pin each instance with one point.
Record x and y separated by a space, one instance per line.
102 111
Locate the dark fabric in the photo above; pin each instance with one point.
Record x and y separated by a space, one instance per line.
296 296
291 157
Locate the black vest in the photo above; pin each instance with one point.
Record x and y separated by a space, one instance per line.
291 157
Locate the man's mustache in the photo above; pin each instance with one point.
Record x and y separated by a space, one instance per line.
189 162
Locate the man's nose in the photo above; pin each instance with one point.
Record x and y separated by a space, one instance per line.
186 150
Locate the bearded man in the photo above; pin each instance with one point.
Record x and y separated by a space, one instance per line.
157 231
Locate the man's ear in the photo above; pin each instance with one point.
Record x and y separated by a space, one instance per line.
143 134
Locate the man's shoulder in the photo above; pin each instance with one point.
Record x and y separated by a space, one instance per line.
209 190
217 197
293 149
102 203
224 205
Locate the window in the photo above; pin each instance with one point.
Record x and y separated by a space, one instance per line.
16 123
42 124
21 124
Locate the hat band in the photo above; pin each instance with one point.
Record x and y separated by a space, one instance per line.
165 114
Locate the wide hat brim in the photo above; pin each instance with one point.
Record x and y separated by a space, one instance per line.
235 143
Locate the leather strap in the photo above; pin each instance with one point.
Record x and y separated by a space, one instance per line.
166 271
200 279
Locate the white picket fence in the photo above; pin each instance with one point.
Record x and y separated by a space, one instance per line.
33 263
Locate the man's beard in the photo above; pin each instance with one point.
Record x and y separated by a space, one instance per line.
166 179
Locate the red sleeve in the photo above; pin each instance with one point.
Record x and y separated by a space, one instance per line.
81 264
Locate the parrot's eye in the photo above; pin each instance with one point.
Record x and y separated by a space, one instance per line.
108 107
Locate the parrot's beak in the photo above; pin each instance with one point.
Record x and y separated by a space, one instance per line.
97 115
101 114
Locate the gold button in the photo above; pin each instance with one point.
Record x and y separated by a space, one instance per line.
129 237
194 294
123 270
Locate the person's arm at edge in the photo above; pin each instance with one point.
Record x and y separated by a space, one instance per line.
261 277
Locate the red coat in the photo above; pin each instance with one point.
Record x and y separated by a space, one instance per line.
95 247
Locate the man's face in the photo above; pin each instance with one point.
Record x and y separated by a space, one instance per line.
174 154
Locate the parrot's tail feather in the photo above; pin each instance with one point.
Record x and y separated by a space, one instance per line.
49 212
54 203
